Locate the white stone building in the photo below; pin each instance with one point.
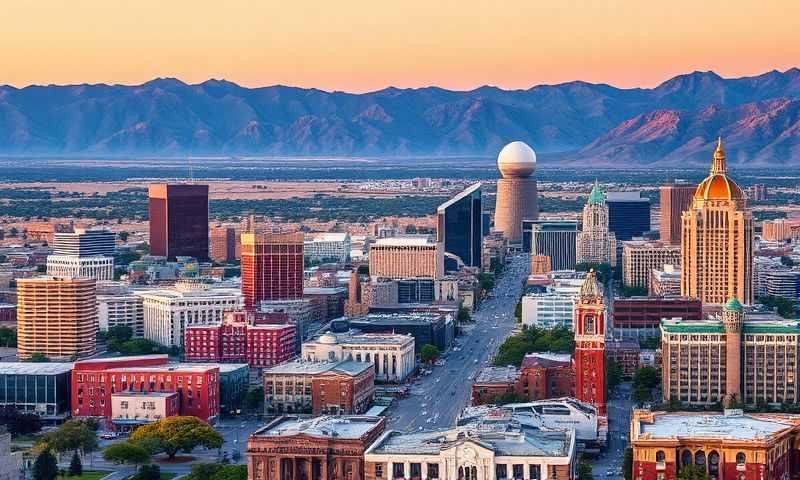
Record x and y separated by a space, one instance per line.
69 266
118 305
392 354
327 245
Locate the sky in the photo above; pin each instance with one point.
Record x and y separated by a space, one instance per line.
361 46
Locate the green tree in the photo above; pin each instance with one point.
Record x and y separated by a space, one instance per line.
73 435
181 433
127 453
463 315
75 465
45 467
651 343
585 468
613 374
518 311
214 471
37 357
783 306
508 397
486 281
692 472
429 353
148 472
254 399
627 464
534 339
8 337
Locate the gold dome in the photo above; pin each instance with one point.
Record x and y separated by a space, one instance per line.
717 186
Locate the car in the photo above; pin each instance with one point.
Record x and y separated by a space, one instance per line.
109 436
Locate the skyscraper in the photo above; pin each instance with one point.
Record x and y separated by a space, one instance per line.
272 267
56 317
717 240
676 198
590 340
179 220
223 244
516 191
460 228
628 214
556 239
595 243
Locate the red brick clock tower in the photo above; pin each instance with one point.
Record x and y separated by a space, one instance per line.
590 343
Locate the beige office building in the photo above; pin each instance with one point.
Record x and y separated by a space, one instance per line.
56 317
595 243
639 258
517 195
717 240
406 257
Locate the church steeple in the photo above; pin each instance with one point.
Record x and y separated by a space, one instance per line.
718 164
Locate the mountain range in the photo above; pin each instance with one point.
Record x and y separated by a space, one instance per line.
675 123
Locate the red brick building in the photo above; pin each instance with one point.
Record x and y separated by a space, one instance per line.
547 375
642 315
236 340
493 383
95 381
590 333
729 446
272 267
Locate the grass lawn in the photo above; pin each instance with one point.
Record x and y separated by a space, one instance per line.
168 475
90 475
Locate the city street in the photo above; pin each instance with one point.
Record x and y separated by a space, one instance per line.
619 412
436 400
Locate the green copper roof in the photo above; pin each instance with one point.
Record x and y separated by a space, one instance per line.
733 304
597 196
716 326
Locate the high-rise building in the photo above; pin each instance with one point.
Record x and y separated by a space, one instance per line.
730 357
665 281
676 198
639 258
516 191
780 229
596 243
84 242
406 257
717 240
557 240
272 267
179 220
628 214
459 229
56 317
590 338
223 244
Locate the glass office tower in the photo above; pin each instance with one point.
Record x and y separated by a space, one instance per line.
460 229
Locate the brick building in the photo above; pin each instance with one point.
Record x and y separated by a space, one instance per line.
730 446
322 448
95 381
337 388
625 353
548 375
235 340
492 383
272 267
636 317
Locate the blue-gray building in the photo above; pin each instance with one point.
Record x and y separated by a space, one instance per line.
460 228
628 214
40 388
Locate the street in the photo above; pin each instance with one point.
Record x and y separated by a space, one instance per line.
619 412
436 400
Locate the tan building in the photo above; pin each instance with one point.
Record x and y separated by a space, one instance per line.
717 240
56 317
730 358
676 198
129 409
406 257
639 258
516 191
780 230
665 281
540 264
595 243
391 353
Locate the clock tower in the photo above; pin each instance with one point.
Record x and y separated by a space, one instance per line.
590 338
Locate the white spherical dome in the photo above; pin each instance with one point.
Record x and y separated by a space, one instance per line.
516 160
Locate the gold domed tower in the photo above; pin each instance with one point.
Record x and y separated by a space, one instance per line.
516 191
717 239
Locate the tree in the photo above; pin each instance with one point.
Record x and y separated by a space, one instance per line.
148 472
627 464
19 423
75 466
691 472
127 453
123 235
613 374
463 315
508 397
120 333
45 467
518 311
585 468
37 357
214 471
534 339
783 306
73 435
182 433
486 281
8 337
429 353
254 399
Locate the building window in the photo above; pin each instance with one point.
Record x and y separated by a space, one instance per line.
378 470
535 472
741 459
660 456
500 471
433 470
416 470
397 470
518 471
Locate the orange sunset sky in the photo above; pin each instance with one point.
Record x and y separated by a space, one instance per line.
367 45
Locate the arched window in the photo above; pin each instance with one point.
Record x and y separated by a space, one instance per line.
589 325
700 458
713 464
741 459
686 458
660 456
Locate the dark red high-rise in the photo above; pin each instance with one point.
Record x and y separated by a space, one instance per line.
272 267
179 220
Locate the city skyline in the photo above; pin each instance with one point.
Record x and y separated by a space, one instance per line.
449 45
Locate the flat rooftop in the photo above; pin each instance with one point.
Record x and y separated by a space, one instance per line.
363 339
497 375
406 241
716 425
342 427
34 368
144 394
303 367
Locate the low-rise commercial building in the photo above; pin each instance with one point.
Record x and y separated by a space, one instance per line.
131 409
336 388
321 448
625 353
391 353
426 328
40 388
640 317
547 375
493 383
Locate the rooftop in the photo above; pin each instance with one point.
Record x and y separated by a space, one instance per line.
363 338
714 325
143 394
303 367
347 427
162 356
406 241
33 368
466 192
497 374
662 425
546 359
328 237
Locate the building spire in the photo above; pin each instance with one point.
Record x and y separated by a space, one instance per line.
718 164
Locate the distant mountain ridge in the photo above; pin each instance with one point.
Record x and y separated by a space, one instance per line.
674 122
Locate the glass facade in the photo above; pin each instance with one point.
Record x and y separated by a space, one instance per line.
460 228
47 395
628 218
